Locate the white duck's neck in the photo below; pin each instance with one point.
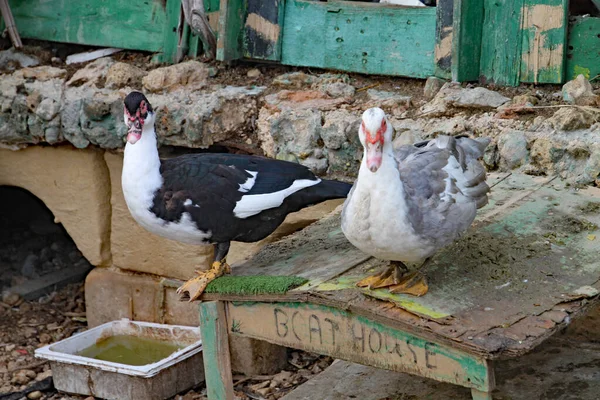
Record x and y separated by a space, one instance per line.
141 169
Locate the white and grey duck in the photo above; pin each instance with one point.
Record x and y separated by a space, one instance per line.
411 201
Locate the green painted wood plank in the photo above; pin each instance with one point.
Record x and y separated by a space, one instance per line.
170 34
583 54
304 34
232 14
215 351
360 37
500 60
112 23
262 29
544 43
443 38
467 39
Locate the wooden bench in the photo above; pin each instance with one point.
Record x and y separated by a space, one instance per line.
527 267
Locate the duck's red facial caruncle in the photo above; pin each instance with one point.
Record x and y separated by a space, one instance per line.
137 114
135 123
373 143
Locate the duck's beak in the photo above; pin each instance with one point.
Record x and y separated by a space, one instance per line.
134 132
374 155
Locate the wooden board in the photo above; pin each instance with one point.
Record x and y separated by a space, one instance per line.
583 56
544 32
359 37
93 22
215 346
262 29
528 263
443 38
231 20
501 42
340 334
466 44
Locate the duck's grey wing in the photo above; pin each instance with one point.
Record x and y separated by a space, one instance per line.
431 195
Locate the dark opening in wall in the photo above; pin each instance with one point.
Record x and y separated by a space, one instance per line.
36 254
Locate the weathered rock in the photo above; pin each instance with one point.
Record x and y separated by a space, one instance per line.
303 100
200 119
383 99
574 156
575 91
294 79
191 74
35 395
570 119
433 85
41 73
122 74
339 89
10 298
452 95
296 133
92 73
477 98
12 59
299 79
253 73
513 150
340 136
29 266
525 100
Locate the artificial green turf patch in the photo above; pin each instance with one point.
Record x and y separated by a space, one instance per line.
252 285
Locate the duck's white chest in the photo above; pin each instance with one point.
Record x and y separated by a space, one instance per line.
140 182
375 219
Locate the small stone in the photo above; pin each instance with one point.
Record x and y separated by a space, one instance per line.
122 74
191 74
339 89
47 109
513 150
524 100
91 74
570 119
477 98
12 59
254 73
10 347
383 98
264 391
25 307
294 79
577 89
33 100
35 395
56 60
43 375
45 338
10 298
22 377
283 376
433 85
28 269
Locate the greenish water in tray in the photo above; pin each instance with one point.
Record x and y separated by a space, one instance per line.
130 350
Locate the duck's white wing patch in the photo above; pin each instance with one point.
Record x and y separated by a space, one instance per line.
246 186
252 204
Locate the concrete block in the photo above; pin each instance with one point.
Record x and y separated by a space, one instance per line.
138 250
74 185
111 293
256 357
